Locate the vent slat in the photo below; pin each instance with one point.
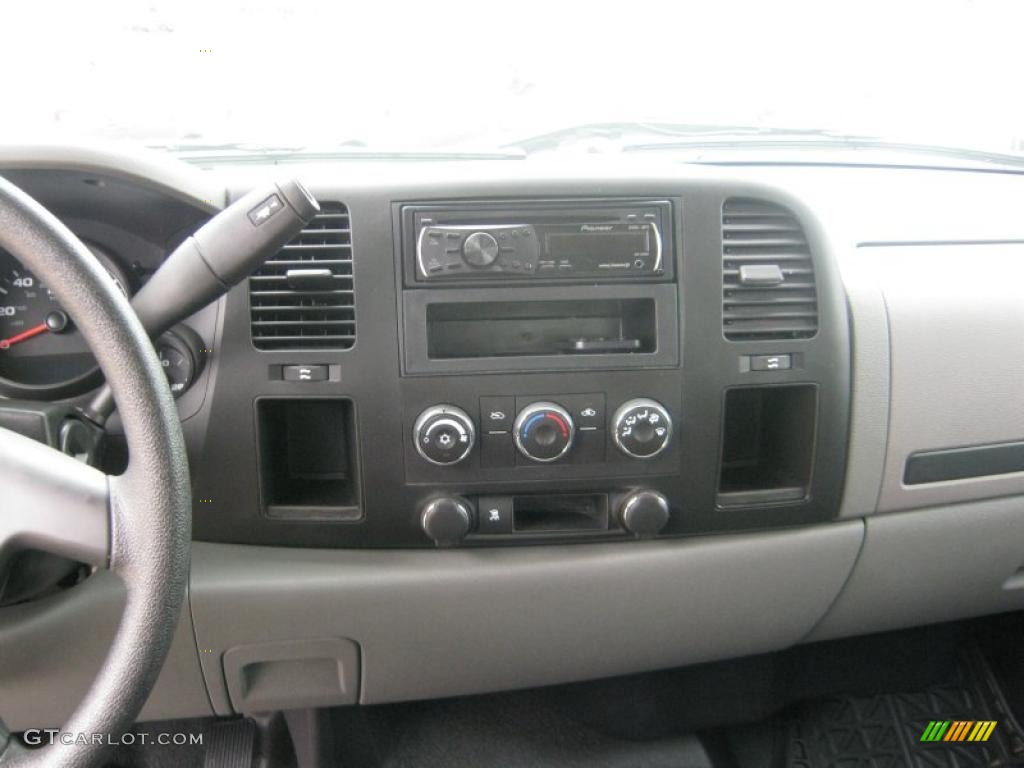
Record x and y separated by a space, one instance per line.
284 318
303 322
284 278
306 262
293 247
311 308
784 289
299 294
749 300
740 206
754 257
757 232
311 337
733 272
762 227
756 241
762 312
771 329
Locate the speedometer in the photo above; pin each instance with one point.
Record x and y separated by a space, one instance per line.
42 354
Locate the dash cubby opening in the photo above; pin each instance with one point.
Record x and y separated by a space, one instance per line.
530 328
767 445
307 458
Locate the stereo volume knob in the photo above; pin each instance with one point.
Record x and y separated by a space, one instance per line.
444 434
480 249
543 432
446 520
644 513
642 428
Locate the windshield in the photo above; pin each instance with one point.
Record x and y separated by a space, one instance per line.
486 77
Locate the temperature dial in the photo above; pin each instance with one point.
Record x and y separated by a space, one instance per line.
444 434
544 432
642 428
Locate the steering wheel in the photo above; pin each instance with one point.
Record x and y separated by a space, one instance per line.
137 524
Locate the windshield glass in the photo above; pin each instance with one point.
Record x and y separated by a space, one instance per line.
478 77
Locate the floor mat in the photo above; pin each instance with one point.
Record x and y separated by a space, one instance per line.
206 743
517 730
885 731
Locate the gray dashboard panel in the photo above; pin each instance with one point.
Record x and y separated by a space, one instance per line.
53 648
152 170
956 320
869 384
933 565
444 623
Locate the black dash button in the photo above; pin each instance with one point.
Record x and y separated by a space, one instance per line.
304 373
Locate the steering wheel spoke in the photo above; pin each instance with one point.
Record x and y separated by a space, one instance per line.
52 502
58 425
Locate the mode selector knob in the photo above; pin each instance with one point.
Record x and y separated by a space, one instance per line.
543 431
641 428
644 513
444 434
480 249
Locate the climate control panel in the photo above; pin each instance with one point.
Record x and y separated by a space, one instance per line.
518 431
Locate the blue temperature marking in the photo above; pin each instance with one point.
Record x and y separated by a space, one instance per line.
529 423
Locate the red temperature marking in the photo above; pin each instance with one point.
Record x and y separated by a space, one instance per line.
561 422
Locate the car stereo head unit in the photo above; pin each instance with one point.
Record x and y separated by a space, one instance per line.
589 240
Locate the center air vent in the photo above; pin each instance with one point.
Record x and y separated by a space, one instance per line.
303 297
768 275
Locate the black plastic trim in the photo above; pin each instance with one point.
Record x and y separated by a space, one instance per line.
960 463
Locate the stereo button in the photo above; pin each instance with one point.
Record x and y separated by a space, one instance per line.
304 373
771 362
497 413
587 410
494 514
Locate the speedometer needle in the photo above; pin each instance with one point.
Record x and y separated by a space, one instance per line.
24 335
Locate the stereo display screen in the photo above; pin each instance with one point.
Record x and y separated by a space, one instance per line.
596 245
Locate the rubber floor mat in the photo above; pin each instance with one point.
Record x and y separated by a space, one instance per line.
231 745
886 731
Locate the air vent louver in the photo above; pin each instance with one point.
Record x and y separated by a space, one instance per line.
768 289
311 309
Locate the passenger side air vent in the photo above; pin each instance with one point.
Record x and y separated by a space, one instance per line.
768 287
303 297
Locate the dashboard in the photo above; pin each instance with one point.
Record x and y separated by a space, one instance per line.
635 401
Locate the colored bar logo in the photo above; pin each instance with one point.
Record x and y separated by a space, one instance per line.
958 730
